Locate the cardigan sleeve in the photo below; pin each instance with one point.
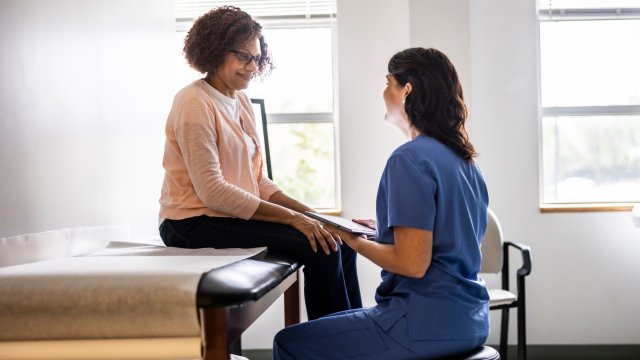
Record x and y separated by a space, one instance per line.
267 188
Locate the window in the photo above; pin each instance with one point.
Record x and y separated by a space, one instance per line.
590 103
298 95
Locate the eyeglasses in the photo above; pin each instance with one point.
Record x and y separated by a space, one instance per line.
246 57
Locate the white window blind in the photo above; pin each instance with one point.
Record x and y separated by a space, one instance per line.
567 10
262 9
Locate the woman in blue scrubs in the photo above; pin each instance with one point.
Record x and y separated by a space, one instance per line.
431 214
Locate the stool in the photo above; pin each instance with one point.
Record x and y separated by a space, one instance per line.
481 353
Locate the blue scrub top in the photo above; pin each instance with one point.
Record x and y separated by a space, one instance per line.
425 185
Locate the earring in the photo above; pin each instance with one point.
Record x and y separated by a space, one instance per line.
403 99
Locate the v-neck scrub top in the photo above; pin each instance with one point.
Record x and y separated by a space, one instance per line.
425 185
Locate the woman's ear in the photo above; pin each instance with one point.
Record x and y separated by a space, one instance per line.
408 88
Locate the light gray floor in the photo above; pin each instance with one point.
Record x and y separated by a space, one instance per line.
262 354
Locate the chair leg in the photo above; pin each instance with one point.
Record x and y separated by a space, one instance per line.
236 347
522 332
504 333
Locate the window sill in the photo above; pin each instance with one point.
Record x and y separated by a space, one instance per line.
602 207
335 212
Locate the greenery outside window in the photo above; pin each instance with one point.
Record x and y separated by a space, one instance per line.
590 104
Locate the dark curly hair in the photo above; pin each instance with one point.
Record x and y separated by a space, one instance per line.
220 31
435 106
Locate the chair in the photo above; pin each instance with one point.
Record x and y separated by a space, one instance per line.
495 259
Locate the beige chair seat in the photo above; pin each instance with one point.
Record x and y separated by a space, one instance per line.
499 297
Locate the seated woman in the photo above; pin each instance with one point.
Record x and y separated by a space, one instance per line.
214 192
431 217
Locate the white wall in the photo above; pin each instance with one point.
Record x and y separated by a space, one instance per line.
84 97
444 25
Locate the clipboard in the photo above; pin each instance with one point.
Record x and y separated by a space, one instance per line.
342 223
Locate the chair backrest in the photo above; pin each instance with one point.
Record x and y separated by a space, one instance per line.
261 128
492 245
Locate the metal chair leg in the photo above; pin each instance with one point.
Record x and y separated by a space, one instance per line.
522 335
504 333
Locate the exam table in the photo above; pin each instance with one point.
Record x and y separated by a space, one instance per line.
108 306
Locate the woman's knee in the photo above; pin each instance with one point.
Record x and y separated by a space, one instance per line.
320 259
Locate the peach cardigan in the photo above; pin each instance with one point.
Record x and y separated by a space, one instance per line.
208 169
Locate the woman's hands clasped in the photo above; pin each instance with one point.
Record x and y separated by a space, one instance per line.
315 233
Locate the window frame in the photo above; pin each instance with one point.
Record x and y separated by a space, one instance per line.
578 14
313 117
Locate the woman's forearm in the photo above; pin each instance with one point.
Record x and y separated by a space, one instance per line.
383 255
282 199
409 256
269 211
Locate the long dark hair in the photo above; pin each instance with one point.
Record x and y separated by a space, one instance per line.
435 106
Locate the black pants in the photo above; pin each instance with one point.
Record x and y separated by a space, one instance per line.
331 281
